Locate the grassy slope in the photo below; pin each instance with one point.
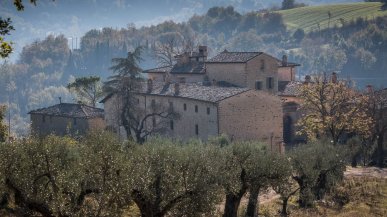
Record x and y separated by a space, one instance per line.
308 18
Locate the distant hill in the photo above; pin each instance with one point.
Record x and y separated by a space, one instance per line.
309 18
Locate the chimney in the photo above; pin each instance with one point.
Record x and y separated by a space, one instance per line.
149 85
177 89
334 77
308 79
284 60
203 52
60 100
369 88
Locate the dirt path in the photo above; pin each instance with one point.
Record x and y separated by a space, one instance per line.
366 172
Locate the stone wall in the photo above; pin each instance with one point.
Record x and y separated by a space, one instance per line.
261 68
287 73
185 127
43 125
234 73
253 115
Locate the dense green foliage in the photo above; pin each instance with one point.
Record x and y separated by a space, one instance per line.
100 176
87 89
317 168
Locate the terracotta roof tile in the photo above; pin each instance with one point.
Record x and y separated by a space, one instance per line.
196 91
70 110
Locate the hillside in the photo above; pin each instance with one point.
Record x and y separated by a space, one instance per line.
308 18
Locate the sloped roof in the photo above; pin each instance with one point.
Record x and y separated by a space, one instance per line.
233 57
196 91
163 69
291 89
70 110
191 67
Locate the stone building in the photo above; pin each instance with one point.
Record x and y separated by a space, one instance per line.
66 119
233 93
255 70
189 67
208 110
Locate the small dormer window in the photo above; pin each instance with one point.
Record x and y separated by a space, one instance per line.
197 59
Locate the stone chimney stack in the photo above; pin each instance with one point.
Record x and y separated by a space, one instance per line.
60 100
203 52
149 85
284 60
177 88
334 77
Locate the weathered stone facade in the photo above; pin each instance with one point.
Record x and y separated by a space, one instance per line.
241 113
66 119
252 115
247 108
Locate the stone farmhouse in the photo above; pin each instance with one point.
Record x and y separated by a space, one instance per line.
207 111
233 93
66 119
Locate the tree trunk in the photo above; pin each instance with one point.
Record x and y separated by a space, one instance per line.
284 211
252 206
232 205
381 150
306 197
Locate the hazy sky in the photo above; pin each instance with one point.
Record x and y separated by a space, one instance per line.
75 17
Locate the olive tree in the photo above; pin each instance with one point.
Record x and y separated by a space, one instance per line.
317 167
264 169
57 176
173 179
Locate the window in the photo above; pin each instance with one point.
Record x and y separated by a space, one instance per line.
74 121
197 129
43 119
258 85
171 124
153 103
196 109
138 100
185 107
208 110
182 80
270 83
262 64
171 106
197 59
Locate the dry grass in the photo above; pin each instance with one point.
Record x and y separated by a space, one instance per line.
355 197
